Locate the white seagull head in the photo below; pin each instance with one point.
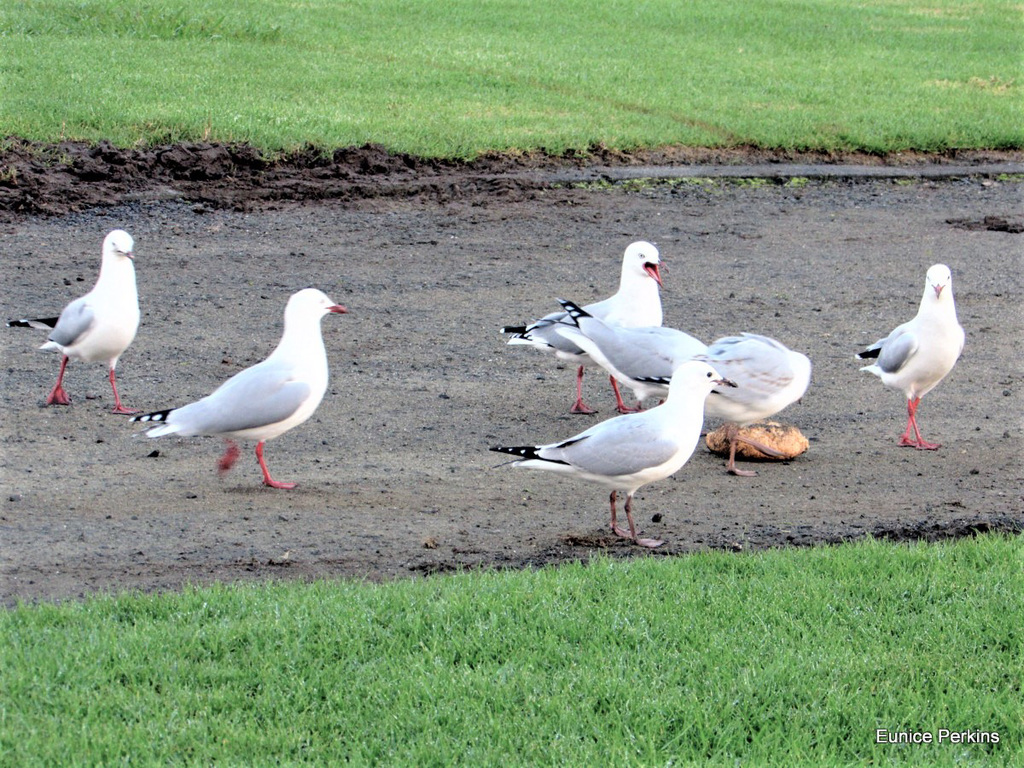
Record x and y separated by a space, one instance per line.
119 243
312 303
642 258
938 279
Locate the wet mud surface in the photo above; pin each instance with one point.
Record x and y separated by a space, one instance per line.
431 259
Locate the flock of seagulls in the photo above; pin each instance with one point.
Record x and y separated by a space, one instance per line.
739 379
258 403
636 304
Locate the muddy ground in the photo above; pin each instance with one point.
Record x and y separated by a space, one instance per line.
395 479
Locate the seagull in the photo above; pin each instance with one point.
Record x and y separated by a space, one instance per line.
627 452
269 398
769 377
917 355
100 325
641 358
636 303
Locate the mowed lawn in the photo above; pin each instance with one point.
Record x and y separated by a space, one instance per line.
804 657
459 77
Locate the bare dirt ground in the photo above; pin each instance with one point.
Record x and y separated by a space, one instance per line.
432 258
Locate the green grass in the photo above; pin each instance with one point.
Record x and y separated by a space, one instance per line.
785 658
458 77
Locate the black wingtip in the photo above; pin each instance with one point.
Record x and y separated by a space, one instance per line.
518 330
158 416
574 310
42 322
868 354
519 451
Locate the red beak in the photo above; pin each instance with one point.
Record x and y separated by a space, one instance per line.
938 290
337 309
652 270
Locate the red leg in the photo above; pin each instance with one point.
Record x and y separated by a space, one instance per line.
579 406
917 441
620 404
615 525
732 434
631 533
227 461
906 438
650 543
267 479
57 395
118 407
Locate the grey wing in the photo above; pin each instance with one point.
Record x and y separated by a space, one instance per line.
575 337
620 446
252 398
534 325
635 354
875 349
897 350
660 350
759 366
76 319
638 353
546 330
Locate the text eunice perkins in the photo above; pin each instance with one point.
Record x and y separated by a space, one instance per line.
941 736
